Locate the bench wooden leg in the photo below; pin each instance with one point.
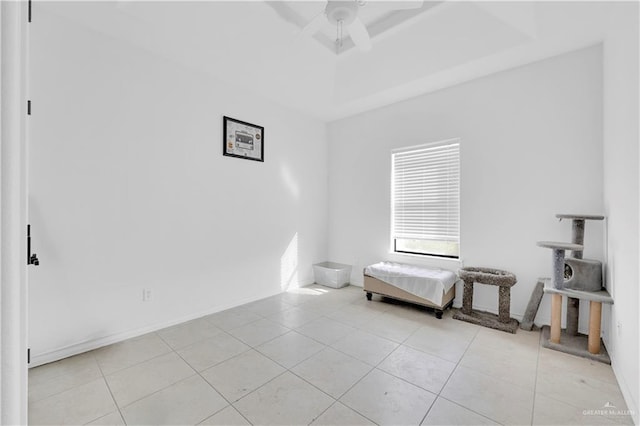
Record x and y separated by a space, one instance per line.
556 318
595 316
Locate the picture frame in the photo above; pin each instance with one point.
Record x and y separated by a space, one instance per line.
242 139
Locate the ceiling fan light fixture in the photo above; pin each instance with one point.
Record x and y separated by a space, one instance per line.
344 15
345 11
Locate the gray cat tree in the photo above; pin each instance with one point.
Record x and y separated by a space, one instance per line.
577 279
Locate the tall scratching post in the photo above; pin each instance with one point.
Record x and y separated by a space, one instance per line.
573 303
557 281
577 237
595 317
576 279
557 260
556 318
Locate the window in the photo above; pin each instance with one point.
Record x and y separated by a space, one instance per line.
425 199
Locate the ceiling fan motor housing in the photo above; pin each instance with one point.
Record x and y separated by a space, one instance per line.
345 11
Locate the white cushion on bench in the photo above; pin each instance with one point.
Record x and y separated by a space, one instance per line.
425 282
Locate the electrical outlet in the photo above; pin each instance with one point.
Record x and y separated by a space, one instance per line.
147 295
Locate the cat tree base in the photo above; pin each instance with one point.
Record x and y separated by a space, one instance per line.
574 345
589 346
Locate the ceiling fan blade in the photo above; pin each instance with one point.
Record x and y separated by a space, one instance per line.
406 5
316 23
360 35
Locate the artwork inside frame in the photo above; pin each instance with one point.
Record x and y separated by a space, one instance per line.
242 139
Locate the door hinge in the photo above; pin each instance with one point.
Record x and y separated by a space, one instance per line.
32 259
29 107
29 11
28 355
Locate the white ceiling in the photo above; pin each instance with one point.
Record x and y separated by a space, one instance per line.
378 17
446 43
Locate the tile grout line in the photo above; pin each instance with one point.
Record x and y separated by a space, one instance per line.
375 367
535 383
364 362
483 374
323 411
326 346
288 370
564 402
229 404
271 380
59 376
251 348
335 400
255 348
469 409
450 375
297 363
137 362
104 378
171 384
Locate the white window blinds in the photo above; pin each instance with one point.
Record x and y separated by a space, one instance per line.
426 198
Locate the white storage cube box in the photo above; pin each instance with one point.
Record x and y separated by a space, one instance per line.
332 274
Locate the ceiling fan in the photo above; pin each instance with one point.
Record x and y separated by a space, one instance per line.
343 14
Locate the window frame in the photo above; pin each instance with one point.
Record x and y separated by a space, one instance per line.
393 238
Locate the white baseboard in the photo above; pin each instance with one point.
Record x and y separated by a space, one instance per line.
632 405
91 344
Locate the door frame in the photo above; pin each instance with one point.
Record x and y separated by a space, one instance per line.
13 212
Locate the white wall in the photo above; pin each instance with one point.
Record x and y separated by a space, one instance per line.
621 192
531 147
129 190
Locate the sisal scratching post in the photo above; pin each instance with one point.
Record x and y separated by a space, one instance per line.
504 304
467 297
573 303
595 317
556 318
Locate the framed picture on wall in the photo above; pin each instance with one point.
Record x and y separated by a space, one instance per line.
243 140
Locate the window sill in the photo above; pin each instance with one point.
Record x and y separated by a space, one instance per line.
426 257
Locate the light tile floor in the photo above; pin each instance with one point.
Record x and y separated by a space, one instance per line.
325 357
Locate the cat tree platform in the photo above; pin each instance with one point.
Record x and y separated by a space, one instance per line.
504 280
